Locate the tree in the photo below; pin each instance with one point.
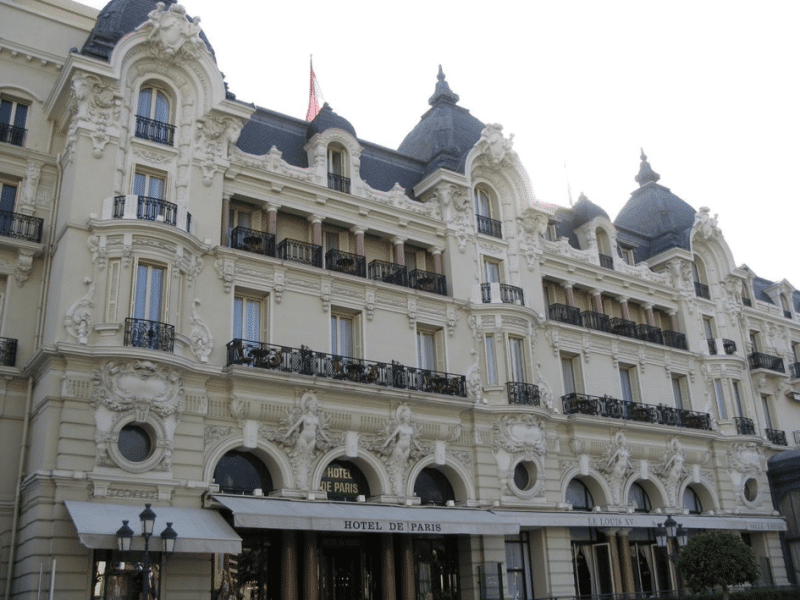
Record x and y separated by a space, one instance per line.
717 559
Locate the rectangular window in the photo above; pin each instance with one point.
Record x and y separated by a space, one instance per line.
766 402
342 335
551 233
150 185
8 198
491 361
723 414
518 567
737 399
482 204
246 318
491 271
516 360
13 116
679 391
627 255
430 353
569 371
335 161
754 345
149 299
629 383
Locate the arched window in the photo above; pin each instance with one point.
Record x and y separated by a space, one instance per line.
338 172
432 487
344 481
639 499
242 473
579 495
604 249
153 116
691 501
486 215
700 279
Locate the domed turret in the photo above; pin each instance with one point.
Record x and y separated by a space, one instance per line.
327 119
585 210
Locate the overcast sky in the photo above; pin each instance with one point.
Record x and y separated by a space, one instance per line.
710 90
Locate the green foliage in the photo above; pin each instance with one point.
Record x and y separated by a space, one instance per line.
717 559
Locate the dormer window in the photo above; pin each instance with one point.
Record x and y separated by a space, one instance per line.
337 169
483 213
628 255
153 115
551 233
13 115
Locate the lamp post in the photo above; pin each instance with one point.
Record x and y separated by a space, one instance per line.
125 536
666 532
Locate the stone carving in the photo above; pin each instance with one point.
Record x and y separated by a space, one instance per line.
493 146
370 304
172 34
79 321
744 459
226 269
673 470
474 384
616 465
97 246
531 226
24 265
96 104
139 385
545 393
200 335
705 225
27 200
401 442
459 218
453 315
520 435
412 313
215 137
304 432
213 433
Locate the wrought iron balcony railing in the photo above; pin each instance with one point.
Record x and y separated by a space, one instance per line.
522 393
701 290
596 320
489 226
11 134
712 346
759 360
729 346
623 327
675 339
345 262
564 313
148 209
19 226
250 240
509 294
301 252
394 273
649 333
8 352
155 131
427 281
340 183
607 262
305 361
744 426
776 436
794 370
486 293
141 333
606 406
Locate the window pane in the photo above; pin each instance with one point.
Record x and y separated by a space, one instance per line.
252 323
9 198
141 293
569 375
346 336
145 100
492 272
139 184
517 365
156 188
491 363
162 108
156 287
426 351
625 380
20 116
482 203
677 392
737 399
237 317
720 399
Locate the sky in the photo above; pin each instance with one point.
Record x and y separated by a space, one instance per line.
710 90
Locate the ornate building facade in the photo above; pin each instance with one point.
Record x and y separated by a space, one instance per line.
339 370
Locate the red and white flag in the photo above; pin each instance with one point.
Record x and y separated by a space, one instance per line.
315 99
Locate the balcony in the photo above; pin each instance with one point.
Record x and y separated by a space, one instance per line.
520 393
301 252
595 320
8 352
153 335
623 327
701 290
794 370
607 262
776 436
649 333
148 209
155 131
11 134
759 360
744 426
21 227
388 272
427 281
675 339
340 183
489 226
564 314
250 240
509 294
305 361
345 262
606 406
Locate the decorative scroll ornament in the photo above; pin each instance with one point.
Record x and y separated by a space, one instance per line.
138 385
200 335
520 435
172 34
401 442
79 321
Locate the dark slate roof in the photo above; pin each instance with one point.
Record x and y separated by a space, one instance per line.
759 285
585 210
653 212
327 119
119 18
444 134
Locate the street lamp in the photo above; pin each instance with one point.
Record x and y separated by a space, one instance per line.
125 536
671 530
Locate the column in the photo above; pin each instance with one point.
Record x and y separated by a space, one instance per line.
616 571
311 566
598 301
625 559
226 218
272 219
570 293
399 250
388 591
289 566
623 302
316 224
437 260
359 233
407 586
651 319
673 320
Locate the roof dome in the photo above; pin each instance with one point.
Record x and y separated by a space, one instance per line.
327 119
585 210
119 18
444 134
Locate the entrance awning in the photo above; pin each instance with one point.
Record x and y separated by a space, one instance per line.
270 513
199 530
536 520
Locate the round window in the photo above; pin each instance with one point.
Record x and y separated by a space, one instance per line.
750 489
135 443
524 475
